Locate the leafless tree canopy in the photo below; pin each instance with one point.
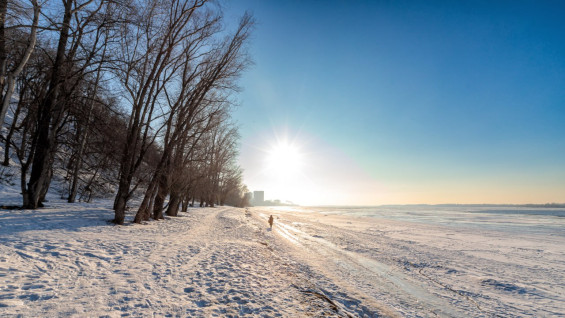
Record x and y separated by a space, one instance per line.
123 96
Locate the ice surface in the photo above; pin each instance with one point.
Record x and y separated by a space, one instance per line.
445 261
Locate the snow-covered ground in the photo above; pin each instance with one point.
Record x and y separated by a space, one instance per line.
453 264
66 260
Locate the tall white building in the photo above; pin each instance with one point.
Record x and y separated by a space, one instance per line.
258 197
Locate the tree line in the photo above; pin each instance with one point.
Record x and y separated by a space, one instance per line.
124 97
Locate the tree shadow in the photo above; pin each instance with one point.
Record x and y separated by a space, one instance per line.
56 216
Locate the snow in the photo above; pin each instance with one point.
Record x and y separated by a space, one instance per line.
423 267
67 260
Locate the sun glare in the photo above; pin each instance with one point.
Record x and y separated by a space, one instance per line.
284 161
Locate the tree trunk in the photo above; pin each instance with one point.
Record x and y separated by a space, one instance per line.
174 202
78 165
23 177
13 128
46 183
24 166
185 203
120 207
125 181
74 185
8 79
3 53
123 190
147 203
159 201
7 145
50 109
88 187
151 204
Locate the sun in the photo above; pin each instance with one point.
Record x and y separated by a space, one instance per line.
284 160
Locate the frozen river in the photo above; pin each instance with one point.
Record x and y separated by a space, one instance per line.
544 221
429 260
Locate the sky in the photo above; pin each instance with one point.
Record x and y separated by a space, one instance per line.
404 102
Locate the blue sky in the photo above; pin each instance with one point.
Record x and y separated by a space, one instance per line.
394 102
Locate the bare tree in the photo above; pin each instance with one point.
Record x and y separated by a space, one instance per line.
201 102
9 74
51 112
178 69
31 86
152 46
101 32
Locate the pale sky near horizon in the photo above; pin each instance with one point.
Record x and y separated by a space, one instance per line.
404 102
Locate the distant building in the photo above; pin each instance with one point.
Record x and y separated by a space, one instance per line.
258 197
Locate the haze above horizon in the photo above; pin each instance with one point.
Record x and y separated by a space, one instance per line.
404 102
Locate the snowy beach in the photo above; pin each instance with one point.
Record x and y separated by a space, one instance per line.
66 260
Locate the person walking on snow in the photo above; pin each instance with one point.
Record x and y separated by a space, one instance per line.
271 221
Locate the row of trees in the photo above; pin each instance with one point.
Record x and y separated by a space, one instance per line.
124 95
